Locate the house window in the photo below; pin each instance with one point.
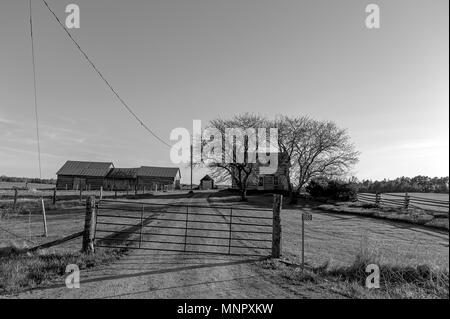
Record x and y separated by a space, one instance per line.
275 180
261 181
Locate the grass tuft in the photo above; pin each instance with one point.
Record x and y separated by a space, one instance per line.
25 271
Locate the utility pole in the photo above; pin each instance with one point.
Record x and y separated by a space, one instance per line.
191 165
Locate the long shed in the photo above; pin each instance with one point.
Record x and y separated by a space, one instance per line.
153 177
83 175
121 179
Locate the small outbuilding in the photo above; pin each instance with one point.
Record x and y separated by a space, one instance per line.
207 182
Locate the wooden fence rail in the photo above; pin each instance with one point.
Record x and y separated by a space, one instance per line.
405 201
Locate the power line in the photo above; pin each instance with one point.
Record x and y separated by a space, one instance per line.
35 92
103 78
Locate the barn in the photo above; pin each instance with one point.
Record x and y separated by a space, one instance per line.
121 179
157 178
207 182
83 175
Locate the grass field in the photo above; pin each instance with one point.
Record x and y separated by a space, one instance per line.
27 230
23 185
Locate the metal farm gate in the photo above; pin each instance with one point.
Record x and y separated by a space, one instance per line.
186 228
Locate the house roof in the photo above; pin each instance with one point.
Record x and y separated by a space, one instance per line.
206 178
79 168
125 173
153 171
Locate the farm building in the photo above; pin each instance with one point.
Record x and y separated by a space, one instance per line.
83 175
121 179
206 182
276 181
93 175
157 178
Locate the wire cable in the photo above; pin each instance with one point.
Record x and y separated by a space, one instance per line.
96 69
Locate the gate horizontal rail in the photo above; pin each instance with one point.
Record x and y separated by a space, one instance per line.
184 205
192 221
183 243
182 251
194 214
194 236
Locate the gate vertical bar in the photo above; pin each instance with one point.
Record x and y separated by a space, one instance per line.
186 228
142 225
231 223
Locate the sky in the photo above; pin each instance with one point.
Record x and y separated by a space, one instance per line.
174 61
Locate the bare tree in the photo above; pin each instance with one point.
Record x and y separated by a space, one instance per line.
236 163
290 133
315 149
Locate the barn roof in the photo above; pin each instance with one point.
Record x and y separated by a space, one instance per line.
126 173
79 168
206 178
153 171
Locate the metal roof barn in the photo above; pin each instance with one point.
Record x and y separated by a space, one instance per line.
153 171
83 175
77 168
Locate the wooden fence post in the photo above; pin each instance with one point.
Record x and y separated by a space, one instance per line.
44 217
89 226
142 225
276 231
54 196
406 202
15 199
377 199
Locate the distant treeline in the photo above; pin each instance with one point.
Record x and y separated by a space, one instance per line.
12 179
418 184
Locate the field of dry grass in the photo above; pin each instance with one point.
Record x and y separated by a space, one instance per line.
28 230
432 219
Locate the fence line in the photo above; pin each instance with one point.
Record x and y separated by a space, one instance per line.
405 201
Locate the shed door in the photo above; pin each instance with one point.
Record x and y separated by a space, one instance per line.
206 184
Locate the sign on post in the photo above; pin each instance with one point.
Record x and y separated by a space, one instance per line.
305 217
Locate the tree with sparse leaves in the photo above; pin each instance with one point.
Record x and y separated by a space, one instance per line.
315 149
239 171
